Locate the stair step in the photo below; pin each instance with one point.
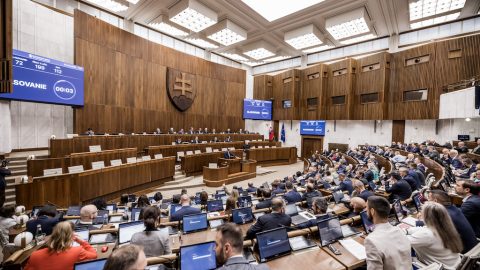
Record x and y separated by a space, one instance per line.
9 203
17 162
179 172
19 172
10 192
16 166
179 176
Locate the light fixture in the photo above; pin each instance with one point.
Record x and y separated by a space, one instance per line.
349 24
277 58
113 5
201 42
133 1
420 9
226 33
318 49
192 15
259 50
272 10
253 63
436 20
162 24
304 37
358 39
468 119
235 55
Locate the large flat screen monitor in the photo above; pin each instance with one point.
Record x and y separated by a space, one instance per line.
257 109
198 257
313 128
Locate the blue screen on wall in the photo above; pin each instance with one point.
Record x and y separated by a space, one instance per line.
316 128
257 109
40 79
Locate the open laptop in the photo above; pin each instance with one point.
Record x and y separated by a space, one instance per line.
127 230
82 233
338 196
90 265
215 205
242 215
245 201
35 210
215 223
198 257
102 238
330 231
112 207
73 211
194 223
297 218
273 244
403 221
135 214
368 225
101 215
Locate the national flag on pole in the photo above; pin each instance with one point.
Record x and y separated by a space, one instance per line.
282 136
271 135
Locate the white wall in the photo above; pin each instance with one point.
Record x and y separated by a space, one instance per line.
292 134
448 129
260 126
458 104
354 133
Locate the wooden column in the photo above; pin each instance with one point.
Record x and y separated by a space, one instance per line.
6 46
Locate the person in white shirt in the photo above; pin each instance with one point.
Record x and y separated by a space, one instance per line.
438 241
387 247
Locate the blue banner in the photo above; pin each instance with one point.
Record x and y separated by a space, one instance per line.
257 109
316 128
40 79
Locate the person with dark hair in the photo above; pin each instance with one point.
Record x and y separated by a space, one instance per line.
251 188
143 201
123 200
277 218
154 241
158 197
47 217
319 208
229 249
100 203
470 168
310 194
471 203
459 221
438 241
230 204
130 257
291 195
6 222
183 191
176 198
267 200
399 188
345 184
404 174
203 198
381 252
185 210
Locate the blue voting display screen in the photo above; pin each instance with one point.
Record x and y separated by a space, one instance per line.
40 79
316 128
198 257
257 109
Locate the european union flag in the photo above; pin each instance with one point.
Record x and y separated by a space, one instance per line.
282 136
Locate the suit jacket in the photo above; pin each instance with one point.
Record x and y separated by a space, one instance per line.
463 228
240 263
185 210
381 254
369 175
411 181
462 150
456 163
469 172
268 222
345 185
476 150
308 196
47 223
251 189
401 190
264 204
292 197
228 155
3 172
365 194
471 210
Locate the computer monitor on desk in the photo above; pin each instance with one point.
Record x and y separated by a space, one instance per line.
127 230
242 215
198 257
273 243
90 265
330 231
194 223
73 211
215 205
368 225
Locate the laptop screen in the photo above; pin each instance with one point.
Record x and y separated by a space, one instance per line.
417 202
112 207
368 225
220 192
174 208
90 265
198 257
215 205
273 243
338 196
101 216
397 207
73 211
245 201
197 222
330 231
291 209
127 230
242 215
135 215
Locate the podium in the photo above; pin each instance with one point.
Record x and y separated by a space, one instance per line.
229 171
233 164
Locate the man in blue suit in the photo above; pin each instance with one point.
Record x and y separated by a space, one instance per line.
456 162
277 218
251 188
404 173
469 170
228 154
345 184
291 195
47 217
471 202
185 210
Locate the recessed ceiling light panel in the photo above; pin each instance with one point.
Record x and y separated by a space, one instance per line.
420 9
259 50
227 33
304 37
113 5
349 24
272 10
436 20
192 15
162 24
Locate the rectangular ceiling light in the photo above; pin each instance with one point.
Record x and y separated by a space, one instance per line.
113 5
192 15
162 24
259 50
318 49
133 1
272 10
253 63
349 24
436 20
277 58
201 42
304 37
235 55
358 39
227 33
420 9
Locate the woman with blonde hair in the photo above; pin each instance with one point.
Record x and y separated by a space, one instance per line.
59 253
438 241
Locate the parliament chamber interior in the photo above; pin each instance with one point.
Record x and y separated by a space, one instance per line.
239 134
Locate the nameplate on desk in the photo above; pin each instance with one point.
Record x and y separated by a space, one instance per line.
198 152
158 156
215 150
71 136
266 146
355 248
212 165
95 148
132 160
253 147
208 150
224 149
231 148
49 172
189 153
173 143
260 146
115 162
98 165
274 146
75 169
146 158
139 159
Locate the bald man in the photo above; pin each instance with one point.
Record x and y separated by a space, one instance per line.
358 205
186 209
277 218
88 214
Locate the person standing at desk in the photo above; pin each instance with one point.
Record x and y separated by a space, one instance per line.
246 146
228 154
90 132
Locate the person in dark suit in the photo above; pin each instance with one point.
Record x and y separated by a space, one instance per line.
185 210
319 208
416 174
246 146
345 184
399 188
47 217
470 169
191 131
228 139
368 174
361 191
291 195
277 218
461 148
251 188
4 171
455 160
310 193
196 140
267 200
228 154
471 203
461 223
404 173
476 150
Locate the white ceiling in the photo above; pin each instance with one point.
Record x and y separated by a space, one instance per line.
388 17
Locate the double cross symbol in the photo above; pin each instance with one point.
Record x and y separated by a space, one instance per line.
186 85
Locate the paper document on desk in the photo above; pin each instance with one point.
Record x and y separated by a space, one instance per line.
355 248
410 221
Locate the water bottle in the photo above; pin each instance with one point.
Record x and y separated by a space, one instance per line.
39 235
105 219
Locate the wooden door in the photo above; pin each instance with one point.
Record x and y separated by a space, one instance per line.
398 131
310 144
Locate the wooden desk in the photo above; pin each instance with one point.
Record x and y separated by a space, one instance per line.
346 258
314 259
273 156
233 164
215 177
193 164
384 163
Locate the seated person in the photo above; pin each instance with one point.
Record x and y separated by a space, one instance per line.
319 208
6 222
215 139
470 168
185 210
476 150
345 184
406 176
309 194
399 188
361 192
438 241
291 195
123 200
228 139
128 257
277 218
88 214
203 199
229 249
100 203
47 217
155 242
230 204
276 189
90 132
471 203
461 148
59 253
251 188
267 200
228 154
196 140
158 197
358 205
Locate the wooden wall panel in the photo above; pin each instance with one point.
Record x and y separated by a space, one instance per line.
263 87
407 75
286 86
341 82
373 74
6 75
314 85
125 84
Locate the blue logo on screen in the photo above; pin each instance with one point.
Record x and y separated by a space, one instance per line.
64 90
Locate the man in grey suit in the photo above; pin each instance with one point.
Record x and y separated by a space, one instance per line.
387 247
229 249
